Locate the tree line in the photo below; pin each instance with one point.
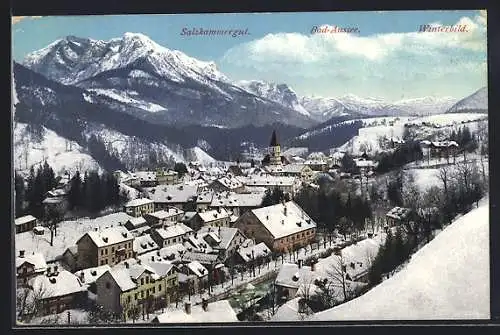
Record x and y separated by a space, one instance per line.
408 152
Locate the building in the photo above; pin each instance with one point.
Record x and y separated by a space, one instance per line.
253 253
29 266
144 244
217 311
224 240
165 217
282 227
89 276
237 203
147 178
227 184
131 289
302 171
139 207
274 157
170 254
57 291
136 223
25 223
127 178
55 200
167 177
193 277
216 217
70 257
203 200
108 246
289 185
441 149
171 235
165 196
397 215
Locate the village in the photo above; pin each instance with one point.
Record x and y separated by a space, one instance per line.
222 242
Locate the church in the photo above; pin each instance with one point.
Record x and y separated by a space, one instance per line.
273 157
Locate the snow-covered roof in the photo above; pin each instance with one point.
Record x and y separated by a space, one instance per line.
202 257
138 202
213 215
178 229
196 242
267 180
146 175
90 275
143 244
109 236
259 250
281 224
398 213
35 258
365 163
217 311
444 144
198 269
225 234
430 287
137 222
205 197
289 311
169 212
58 192
121 276
166 254
188 216
24 219
288 168
162 269
291 276
230 182
229 199
57 286
172 193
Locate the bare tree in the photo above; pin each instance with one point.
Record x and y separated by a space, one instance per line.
29 301
337 276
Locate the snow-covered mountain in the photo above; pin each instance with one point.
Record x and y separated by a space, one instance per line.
135 75
476 102
280 93
323 109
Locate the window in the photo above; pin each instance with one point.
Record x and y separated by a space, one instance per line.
113 249
142 281
136 296
142 294
108 285
102 261
102 252
106 251
153 289
147 280
128 298
106 261
159 288
175 240
147 294
112 260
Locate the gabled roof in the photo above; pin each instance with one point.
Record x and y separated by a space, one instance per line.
122 278
178 229
35 258
198 269
109 236
90 275
143 244
172 193
213 215
225 234
259 250
217 311
169 212
281 224
138 202
57 286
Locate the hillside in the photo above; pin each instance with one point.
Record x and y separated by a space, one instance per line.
454 285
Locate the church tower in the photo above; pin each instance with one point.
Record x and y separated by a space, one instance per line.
274 150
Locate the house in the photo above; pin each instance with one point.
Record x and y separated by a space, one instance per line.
170 254
203 200
214 312
107 246
165 196
70 257
57 291
442 149
216 217
165 217
253 253
187 217
195 277
365 165
29 266
288 185
147 178
235 170
130 289
397 215
25 223
143 244
88 277
139 207
282 227
55 200
127 178
302 171
317 165
291 277
237 203
227 184
136 223
171 235
224 240
167 177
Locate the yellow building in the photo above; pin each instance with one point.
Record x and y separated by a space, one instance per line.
129 290
139 207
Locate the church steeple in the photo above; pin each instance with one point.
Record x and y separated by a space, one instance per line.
274 150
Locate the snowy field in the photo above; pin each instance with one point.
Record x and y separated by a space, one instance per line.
68 232
452 285
62 155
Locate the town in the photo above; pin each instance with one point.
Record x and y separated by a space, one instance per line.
285 238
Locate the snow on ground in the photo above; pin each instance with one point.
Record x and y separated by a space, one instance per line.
198 155
62 155
131 192
68 232
77 316
447 279
449 119
127 97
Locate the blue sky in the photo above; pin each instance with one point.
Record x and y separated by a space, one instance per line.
386 59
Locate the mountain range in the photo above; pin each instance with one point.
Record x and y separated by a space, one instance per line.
131 92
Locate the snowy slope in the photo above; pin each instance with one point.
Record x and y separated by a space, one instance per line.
452 285
478 101
197 154
62 155
425 105
280 93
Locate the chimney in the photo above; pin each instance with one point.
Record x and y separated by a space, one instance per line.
204 304
187 307
55 270
284 209
21 253
82 277
126 265
152 258
300 263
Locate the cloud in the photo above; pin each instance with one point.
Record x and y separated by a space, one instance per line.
380 59
17 19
